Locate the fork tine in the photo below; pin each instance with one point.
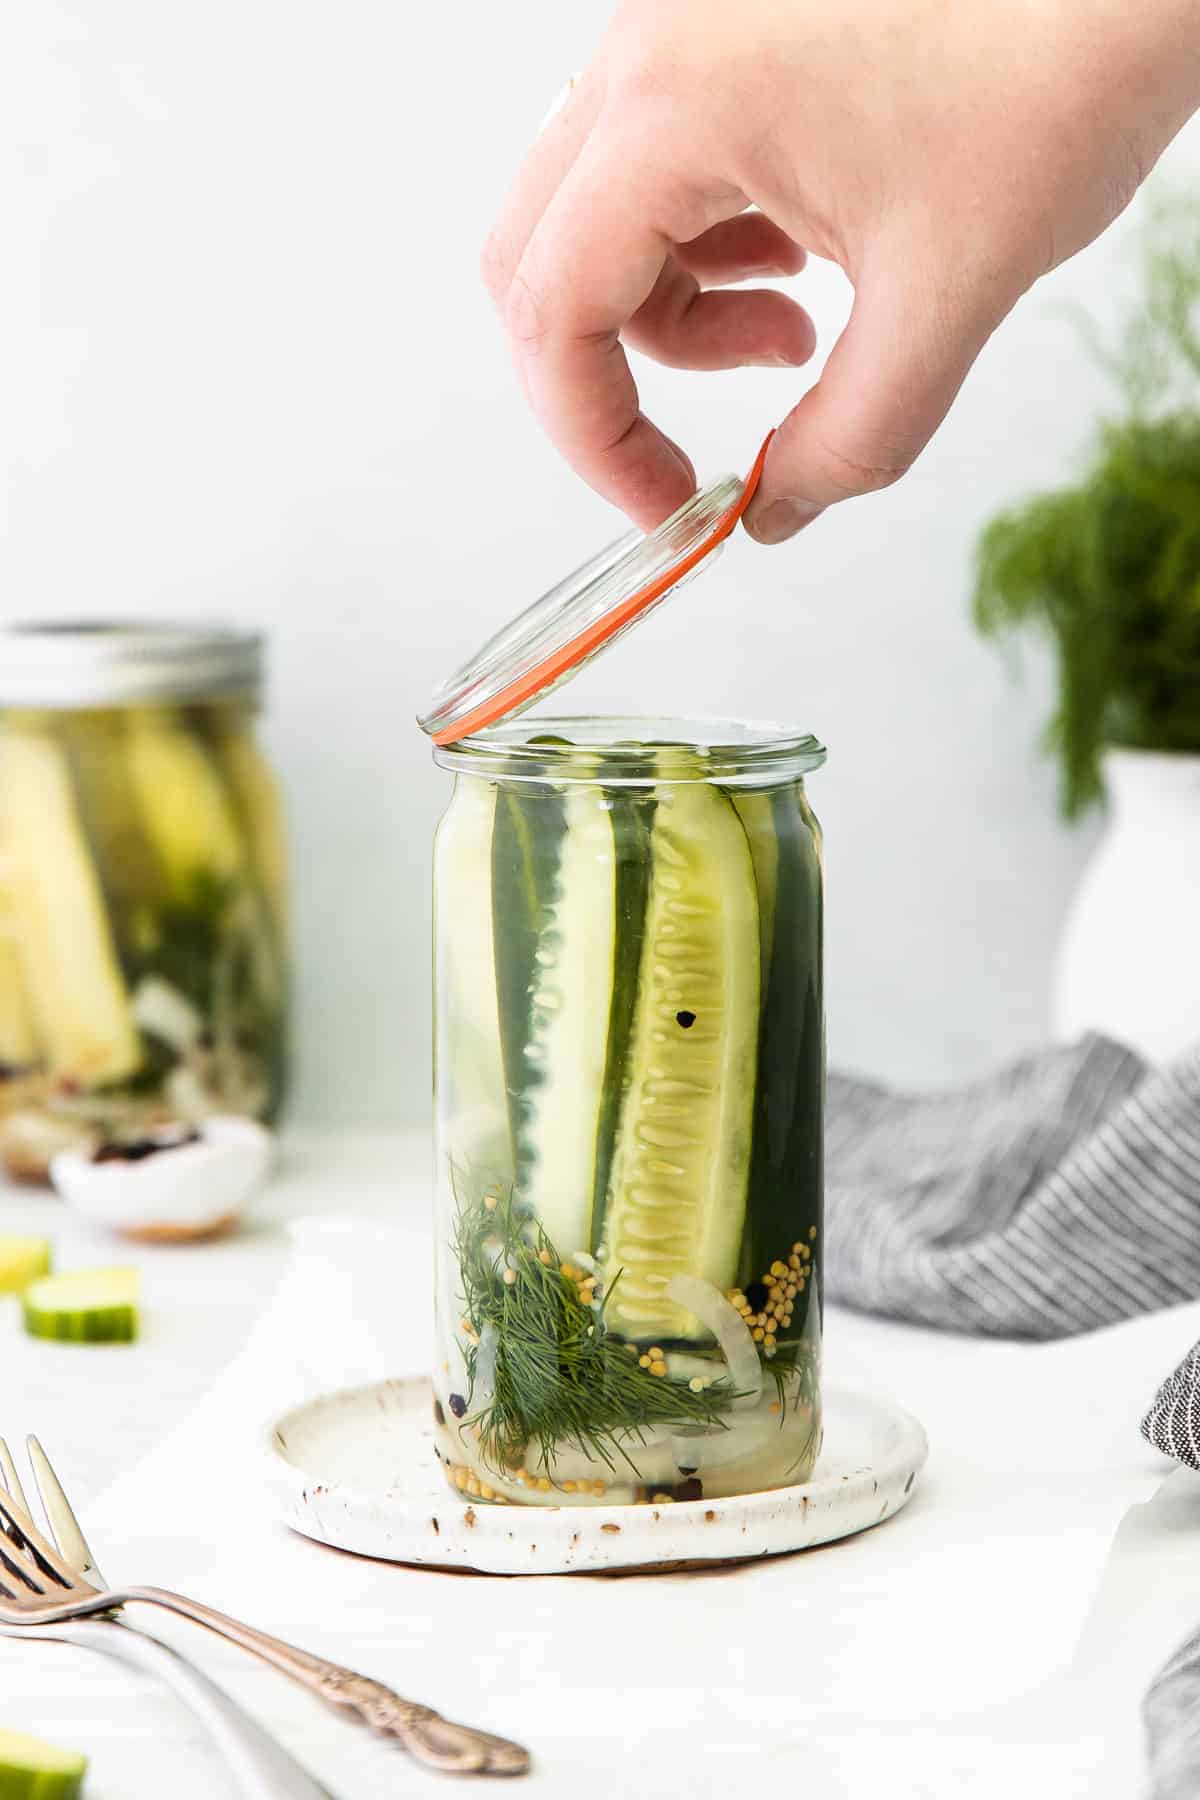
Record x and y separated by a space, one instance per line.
18 1566
16 1581
32 1555
9 1477
62 1521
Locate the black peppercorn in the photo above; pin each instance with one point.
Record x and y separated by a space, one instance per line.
689 1490
458 1405
438 1414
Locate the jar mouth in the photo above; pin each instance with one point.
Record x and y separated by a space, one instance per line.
634 750
126 662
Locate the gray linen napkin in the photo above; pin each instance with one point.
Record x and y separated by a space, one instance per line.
1057 1196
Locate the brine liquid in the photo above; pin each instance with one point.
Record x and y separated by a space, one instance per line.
629 1043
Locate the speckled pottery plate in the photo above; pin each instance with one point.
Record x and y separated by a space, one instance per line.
357 1470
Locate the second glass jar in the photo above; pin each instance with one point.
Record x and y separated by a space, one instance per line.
630 1072
143 889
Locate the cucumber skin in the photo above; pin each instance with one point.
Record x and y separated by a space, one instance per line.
787 1165
632 816
115 1325
43 1772
39 1784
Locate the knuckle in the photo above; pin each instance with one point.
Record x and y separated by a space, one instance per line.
524 314
851 475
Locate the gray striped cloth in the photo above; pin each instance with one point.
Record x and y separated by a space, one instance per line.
1055 1197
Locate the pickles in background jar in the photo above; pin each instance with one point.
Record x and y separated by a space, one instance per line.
143 953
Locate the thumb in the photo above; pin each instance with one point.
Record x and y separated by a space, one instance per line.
887 386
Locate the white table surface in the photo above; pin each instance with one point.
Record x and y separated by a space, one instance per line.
994 1638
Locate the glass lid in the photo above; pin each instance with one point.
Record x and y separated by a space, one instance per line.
552 639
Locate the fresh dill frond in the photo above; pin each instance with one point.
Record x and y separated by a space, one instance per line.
552 1375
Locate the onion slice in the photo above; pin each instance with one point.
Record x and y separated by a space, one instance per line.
732 1333
485 1366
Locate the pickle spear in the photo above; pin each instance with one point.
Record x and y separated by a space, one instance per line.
78 995
677 1193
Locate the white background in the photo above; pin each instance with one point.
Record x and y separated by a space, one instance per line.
246 370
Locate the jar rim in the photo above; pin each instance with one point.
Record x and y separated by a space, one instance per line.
124 662
611 749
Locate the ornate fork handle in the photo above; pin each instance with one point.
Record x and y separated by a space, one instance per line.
425 1734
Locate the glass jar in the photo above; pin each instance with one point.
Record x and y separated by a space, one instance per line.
629 1079
143 907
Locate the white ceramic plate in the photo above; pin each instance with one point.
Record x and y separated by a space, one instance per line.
357 1470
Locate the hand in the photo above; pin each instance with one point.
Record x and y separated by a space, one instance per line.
943 154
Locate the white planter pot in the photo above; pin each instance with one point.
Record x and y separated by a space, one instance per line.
1129 964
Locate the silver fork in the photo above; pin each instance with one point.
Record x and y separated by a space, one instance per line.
262 1768
44 1584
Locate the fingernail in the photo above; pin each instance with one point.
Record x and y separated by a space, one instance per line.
782 519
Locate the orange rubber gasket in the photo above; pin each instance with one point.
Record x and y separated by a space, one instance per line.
526 686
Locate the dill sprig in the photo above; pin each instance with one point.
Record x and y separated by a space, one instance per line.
560 1377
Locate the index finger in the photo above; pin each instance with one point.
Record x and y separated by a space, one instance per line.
590 263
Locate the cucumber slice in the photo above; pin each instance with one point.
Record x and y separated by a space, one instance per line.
91 1306
76 989
190 819
470 1085
22 1260
555 1015
631 814
185 811
33 1770
677 1196
786 1171
259 804
567 1044
18 1039
756 810
111 819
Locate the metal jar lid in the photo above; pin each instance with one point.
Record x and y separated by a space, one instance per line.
98 663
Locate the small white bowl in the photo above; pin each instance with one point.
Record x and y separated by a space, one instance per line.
190 1190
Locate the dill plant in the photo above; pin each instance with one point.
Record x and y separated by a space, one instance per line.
1108 568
